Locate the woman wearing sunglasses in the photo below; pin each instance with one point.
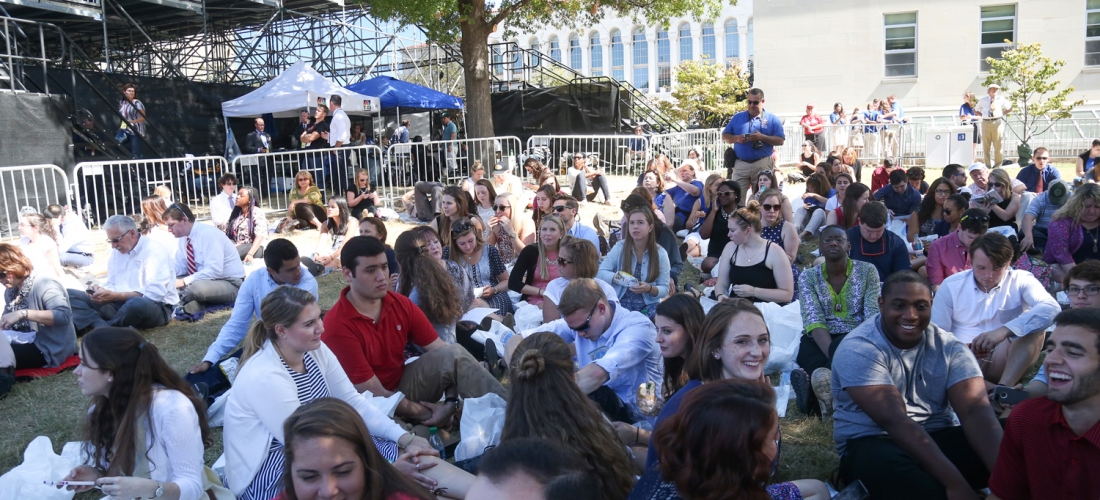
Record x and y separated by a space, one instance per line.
577 258
715 228
481 263
538 264
507 233
1002 213
777 230
752 267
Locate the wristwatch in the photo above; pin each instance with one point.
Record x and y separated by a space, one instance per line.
159 492
452 400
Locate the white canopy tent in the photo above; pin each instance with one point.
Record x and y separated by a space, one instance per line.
296 89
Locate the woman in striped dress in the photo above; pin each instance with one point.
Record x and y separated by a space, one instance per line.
284 366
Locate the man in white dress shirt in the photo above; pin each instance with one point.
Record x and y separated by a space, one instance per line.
339 135
1000 312
992 109
221 206
207 266
565 206
140 289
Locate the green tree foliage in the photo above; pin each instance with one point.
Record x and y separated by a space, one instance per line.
469 23
706 94
1027 77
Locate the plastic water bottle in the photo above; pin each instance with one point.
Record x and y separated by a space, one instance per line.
437 442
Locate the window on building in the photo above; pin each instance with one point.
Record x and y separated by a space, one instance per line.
733 41
555 49
595 54
1092 33
514 56
641 59
749 37
998 25
617 58
535 48
710 46
685 43
664 60
498 61
575 52
901 44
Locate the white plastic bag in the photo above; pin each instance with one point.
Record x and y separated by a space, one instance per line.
497 330
527 316
482 424
785 326
40 463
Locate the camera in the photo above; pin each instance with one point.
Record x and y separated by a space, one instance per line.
757 144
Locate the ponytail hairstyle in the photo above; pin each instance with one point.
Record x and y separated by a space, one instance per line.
113 420
281 307
544 401
434 285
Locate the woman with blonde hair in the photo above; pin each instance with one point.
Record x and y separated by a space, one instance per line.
306 205
361 197
152 207
284 366
537 264
41 246
1002 213
1074 231
636 266
509 233
750 267
545 401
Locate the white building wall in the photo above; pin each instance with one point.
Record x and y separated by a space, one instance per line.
824 52
742 13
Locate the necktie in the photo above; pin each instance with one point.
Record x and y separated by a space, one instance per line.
232 202
1039 185
191 266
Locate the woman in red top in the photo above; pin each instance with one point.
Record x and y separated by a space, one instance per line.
812 126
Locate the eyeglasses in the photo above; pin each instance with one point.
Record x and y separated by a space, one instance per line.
501 208
943 191
980 218
461 226
587 322
771 208
560 208
563 262
754 103
116 240
1089 290
1044 158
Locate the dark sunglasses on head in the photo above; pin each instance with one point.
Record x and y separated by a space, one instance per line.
501 208
461 226
979 218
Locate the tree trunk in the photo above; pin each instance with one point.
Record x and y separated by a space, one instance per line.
475 59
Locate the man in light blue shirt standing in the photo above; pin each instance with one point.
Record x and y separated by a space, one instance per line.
754 133
284 267
450 133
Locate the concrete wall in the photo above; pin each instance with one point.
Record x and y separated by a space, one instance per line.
821 52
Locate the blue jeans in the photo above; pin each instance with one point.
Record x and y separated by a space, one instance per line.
132 143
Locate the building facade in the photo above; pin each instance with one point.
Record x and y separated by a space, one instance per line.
926 52
645 55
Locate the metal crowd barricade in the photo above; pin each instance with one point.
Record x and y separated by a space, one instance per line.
615 154
101 189
332 169
30 186
707 143
884 140
446 162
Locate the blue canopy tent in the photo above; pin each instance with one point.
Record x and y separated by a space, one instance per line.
395 93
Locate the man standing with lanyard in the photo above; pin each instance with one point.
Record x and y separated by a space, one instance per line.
992 108
339 136
754 133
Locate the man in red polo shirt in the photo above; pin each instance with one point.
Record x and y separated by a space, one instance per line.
368 329
1051 445
880 177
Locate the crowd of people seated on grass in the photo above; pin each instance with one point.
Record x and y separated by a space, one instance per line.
924 309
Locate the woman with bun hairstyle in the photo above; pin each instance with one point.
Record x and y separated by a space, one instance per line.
544 401
752 267
145 432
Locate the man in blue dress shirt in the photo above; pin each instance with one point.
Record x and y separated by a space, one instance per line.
754 133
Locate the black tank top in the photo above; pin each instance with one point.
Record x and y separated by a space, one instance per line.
757 275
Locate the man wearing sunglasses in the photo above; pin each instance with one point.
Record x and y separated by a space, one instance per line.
1000 312
957 175
873 244
951 254
565 206
1039 176
140 290
616 348
754 133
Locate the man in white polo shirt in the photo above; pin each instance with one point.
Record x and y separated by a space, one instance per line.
1002 313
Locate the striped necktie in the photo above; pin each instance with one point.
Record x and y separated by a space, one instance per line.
191 266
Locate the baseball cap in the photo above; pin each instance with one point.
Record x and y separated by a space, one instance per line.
1058 192
975 166
994 86
499 169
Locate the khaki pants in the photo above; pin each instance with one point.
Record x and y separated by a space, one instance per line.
745 173
872 142
449 366
992 134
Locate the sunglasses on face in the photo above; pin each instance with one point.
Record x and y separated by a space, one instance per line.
997 185
501 208
942 191
946 211
588 321
724 193
563 262
116 240
771 208
560 208
754 103
1043 158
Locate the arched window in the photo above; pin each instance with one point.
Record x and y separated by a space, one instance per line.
617 58
710 48
575 52
664 60
641 59
514 56
555 49
685 43
535 47
595 54
498 61
733 41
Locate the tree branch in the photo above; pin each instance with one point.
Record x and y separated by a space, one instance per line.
504 13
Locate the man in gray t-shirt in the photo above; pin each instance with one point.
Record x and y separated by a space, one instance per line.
895 380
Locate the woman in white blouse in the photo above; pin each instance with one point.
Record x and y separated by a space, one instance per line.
284 366
145 435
